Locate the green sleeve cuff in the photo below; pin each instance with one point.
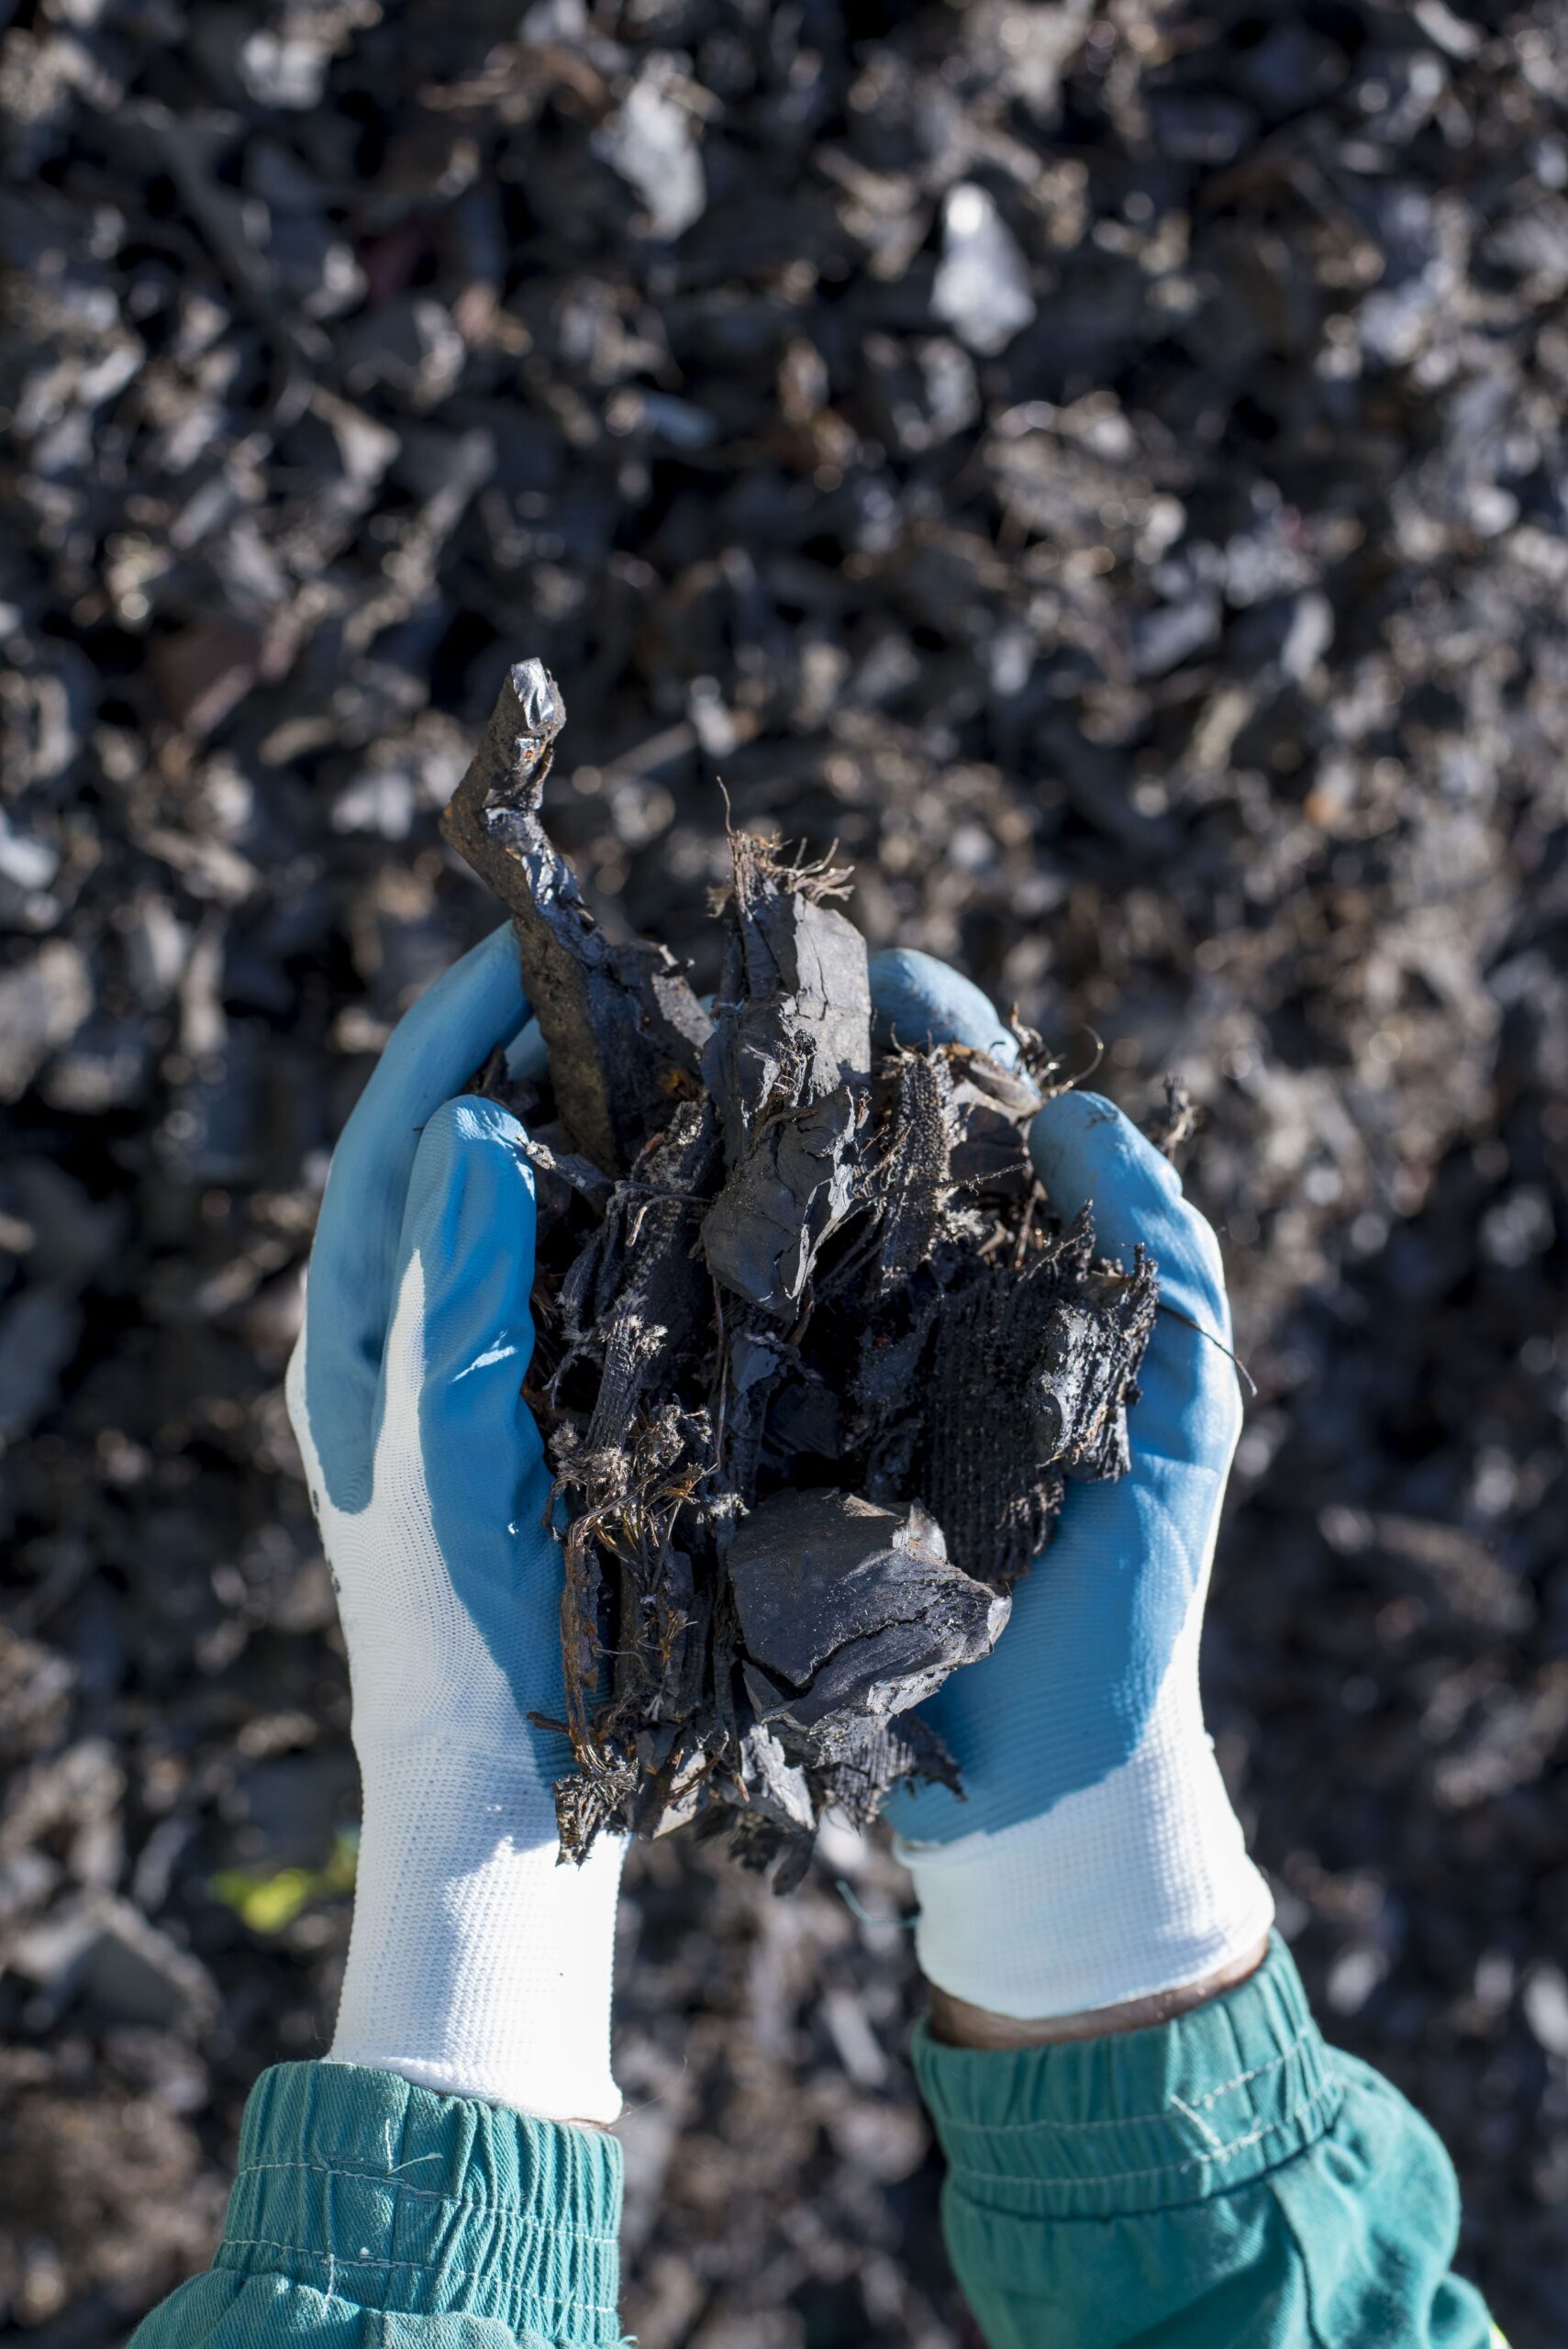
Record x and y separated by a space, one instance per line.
377 2193
1224 2178
1142 2120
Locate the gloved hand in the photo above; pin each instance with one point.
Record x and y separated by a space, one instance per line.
1096 1859
476 1966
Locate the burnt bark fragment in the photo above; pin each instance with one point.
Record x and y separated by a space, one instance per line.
814 1360
788 1063
621 1023
792 1187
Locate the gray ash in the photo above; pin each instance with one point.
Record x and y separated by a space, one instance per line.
815 1361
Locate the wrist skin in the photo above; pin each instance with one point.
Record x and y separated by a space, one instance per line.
955 2023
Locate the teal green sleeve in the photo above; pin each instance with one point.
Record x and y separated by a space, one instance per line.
1223 2182
377 2215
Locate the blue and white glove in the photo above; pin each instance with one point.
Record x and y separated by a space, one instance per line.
476 1966
1096 1859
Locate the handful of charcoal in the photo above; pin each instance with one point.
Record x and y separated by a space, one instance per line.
814 1360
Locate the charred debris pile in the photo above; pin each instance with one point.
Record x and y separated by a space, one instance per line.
813 1359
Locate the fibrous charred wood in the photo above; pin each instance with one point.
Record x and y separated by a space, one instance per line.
815 1359
621 1024
788 1065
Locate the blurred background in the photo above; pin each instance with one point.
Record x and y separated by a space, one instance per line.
1103 465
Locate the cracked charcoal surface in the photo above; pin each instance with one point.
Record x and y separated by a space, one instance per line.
814 1265
1188 668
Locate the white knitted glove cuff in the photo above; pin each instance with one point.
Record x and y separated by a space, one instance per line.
477 1965
1139 1883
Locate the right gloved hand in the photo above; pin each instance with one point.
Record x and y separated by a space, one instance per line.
1096 1859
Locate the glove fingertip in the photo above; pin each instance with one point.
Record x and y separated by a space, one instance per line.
917 1000
448 1030
472 1184
1090 1153
469 1121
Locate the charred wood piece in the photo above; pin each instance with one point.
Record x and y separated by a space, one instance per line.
814 1360
621 1024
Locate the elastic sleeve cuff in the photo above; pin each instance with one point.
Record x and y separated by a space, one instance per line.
1139 2120
385 2195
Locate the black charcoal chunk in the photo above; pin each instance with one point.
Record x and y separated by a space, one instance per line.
849 1607
788 1065
792 1187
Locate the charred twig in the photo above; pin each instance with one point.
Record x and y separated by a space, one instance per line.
619 1021
1170 1133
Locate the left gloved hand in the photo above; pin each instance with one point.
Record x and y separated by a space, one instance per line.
1096 1860
476 1966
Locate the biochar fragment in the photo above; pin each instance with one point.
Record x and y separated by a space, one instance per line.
815 1360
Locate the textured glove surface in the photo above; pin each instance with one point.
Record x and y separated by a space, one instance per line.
476 1964
1097 1857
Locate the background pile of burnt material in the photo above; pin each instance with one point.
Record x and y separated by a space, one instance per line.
1103 464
